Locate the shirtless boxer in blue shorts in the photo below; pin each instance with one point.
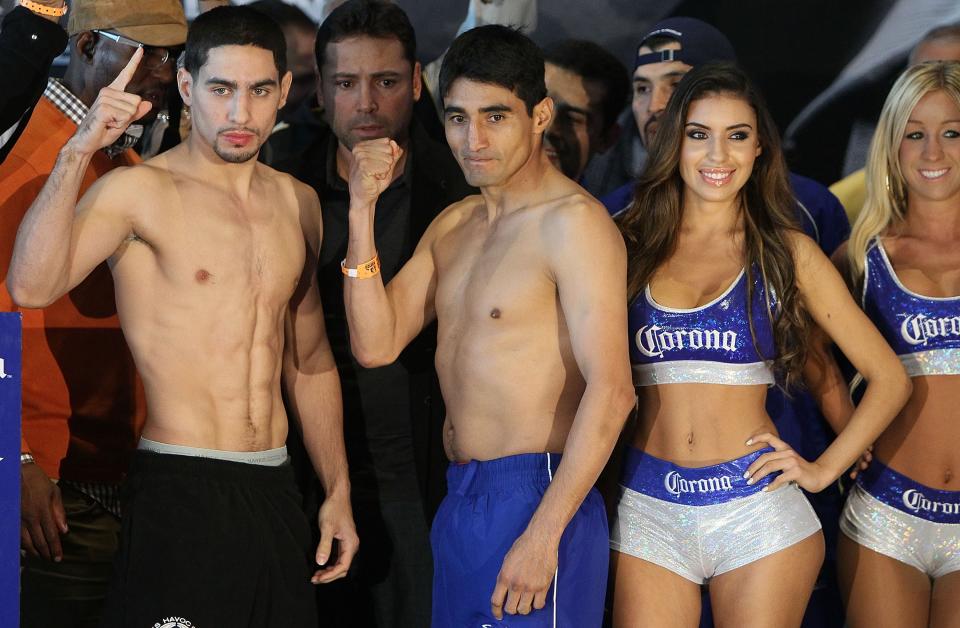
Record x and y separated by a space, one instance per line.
527 284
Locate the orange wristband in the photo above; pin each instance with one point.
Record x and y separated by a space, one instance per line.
40 9
363 271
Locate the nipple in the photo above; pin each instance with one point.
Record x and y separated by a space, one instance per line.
495 313
203 275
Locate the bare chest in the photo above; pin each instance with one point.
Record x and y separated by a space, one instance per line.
492 279
211 242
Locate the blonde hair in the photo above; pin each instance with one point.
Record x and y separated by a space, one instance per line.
886 200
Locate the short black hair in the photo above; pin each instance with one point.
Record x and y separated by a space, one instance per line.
592 62
370 18
233 26
498 55
286 15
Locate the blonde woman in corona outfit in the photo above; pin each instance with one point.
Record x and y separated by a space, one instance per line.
899 555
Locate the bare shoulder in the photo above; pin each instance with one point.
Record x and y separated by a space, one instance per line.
287 184
578 216
128 186
453 216
806 252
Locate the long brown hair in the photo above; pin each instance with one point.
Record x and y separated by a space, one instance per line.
651 224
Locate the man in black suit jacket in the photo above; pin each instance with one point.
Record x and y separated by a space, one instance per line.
393 415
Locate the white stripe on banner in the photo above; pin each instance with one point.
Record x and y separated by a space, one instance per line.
556 574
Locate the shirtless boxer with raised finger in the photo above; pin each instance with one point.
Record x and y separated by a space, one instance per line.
214 257
527 284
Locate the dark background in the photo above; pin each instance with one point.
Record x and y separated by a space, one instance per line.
792 48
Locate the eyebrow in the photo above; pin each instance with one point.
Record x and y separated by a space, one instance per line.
944 122
498 108
729 128
381 74
215 80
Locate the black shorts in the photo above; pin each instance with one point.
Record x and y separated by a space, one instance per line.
211 544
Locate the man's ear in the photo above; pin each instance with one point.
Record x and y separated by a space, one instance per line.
84 45
417 81
285 83
542 115
185 86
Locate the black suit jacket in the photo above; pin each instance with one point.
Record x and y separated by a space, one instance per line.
435 182
28 46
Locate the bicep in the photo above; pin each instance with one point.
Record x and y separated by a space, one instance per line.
412 292
102 221
589 263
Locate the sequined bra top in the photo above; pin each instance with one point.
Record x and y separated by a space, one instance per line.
710 344
924 332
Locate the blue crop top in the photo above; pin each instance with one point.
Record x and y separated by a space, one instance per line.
710 344
923 331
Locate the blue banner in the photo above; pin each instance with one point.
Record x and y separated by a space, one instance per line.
10 385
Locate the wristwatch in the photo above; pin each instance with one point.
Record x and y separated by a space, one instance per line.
26 458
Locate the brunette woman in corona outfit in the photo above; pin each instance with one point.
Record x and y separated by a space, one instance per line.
722 286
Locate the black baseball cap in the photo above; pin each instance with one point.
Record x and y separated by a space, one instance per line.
699 43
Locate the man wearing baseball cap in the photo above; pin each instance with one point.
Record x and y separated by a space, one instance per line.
82 400
666 53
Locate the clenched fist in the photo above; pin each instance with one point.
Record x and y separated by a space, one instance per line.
112 112
371 172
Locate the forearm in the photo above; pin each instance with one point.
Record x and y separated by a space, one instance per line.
370 314
318 408
40 265
827 384
600 418
883 399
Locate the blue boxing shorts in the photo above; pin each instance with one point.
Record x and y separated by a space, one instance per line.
488 507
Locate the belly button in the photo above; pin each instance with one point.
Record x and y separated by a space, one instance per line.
495 313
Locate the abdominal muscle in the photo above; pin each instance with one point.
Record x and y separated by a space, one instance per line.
507 393
211 374
698 425
921 442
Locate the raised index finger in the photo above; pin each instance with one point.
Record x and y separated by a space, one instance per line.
120 83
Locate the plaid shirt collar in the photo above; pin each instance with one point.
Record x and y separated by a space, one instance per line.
72 107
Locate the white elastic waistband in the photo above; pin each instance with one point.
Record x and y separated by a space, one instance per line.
267 458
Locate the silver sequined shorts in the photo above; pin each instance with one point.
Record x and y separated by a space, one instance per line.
702 522
876 516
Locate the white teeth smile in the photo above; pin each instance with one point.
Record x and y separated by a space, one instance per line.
717 177
933 174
